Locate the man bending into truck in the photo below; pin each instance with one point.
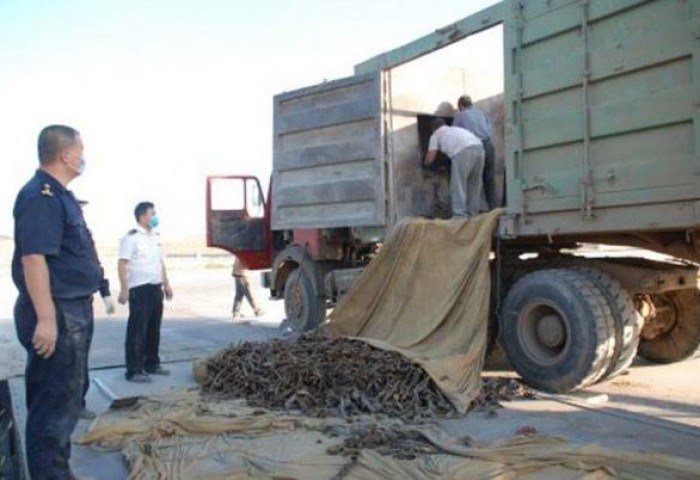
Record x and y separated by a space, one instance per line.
466 154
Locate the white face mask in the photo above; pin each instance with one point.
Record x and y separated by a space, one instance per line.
81 165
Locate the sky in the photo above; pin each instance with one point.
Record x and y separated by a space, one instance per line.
166 92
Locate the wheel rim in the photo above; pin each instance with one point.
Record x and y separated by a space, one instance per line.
667 314
544 332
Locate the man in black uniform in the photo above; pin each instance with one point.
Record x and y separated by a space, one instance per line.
56 271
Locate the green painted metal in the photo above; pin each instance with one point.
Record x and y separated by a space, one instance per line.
440 38
602 117
601 114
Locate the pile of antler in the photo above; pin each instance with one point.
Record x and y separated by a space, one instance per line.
325 376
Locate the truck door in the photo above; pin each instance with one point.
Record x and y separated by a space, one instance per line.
238 219
329 156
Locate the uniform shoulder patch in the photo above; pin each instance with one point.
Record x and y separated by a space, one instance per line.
46 190
133 231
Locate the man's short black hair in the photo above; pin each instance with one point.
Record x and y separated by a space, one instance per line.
438 122
141 209
464 101
53 140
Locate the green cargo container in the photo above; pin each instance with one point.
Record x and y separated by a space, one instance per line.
602 115
602 127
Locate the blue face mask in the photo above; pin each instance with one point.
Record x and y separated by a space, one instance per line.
154 221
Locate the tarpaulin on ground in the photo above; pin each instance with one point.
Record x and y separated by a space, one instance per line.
187 437
426 294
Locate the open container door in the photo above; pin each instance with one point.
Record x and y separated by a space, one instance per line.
238 219
328 168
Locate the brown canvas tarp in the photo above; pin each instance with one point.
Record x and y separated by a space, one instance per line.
426 294
186 437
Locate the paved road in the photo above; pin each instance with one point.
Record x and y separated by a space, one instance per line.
195 323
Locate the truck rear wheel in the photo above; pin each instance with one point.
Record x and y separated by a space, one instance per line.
558 330
672 333
303 308
628 321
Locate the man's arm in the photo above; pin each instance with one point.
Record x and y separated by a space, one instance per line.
123 290
36 277
166 283
105 294
433 149
430 157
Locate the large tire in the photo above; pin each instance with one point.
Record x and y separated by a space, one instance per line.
303 308
558 330
628 321
682 341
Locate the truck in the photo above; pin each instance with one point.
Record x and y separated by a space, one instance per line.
595 115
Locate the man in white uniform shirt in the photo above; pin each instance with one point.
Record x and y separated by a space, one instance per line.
466 155
143 281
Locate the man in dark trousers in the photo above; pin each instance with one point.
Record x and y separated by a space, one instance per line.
474 120
144 281
56 271
85 412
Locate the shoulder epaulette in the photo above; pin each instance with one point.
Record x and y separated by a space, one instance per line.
46 190
133 231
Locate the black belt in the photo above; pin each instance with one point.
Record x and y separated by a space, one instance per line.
147 285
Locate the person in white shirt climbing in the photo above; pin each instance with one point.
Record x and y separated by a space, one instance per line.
466 155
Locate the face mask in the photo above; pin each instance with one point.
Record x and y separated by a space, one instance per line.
81 165
154 221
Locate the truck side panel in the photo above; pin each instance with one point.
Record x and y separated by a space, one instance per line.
601 115
328 158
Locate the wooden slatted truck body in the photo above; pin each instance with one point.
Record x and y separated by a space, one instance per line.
594 108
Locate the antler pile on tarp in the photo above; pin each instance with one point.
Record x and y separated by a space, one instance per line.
320 376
